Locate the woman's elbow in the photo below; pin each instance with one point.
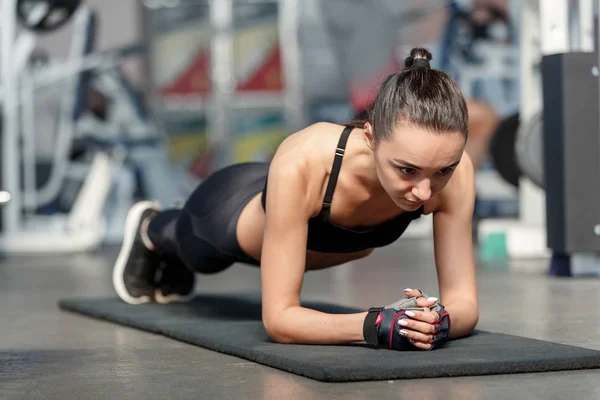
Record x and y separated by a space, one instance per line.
471 324
276 331
464 324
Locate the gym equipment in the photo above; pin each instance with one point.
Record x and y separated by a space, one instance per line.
114 153
502 150
223 103
571 138
477 54
516 149
25 231
528 149
546 28
231 324
463 35
45 15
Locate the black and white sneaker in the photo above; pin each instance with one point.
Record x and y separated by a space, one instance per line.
175 282
135 270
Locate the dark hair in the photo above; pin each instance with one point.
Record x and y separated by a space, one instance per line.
417 95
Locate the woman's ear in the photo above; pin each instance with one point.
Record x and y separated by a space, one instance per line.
369 135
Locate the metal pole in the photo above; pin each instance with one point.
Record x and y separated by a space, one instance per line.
291 59
581 29
596 47
574 24
586 25
151 88
10 121
554 17
222 79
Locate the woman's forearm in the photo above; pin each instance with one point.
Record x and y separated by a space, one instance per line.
305 326
463 318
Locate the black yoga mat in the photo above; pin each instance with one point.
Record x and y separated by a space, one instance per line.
232 325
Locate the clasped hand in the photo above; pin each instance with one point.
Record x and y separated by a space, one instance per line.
415 321
419 328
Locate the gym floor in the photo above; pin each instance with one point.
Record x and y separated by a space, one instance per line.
50 354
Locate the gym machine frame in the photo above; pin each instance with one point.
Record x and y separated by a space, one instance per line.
547 27
223 99
86 226
82 229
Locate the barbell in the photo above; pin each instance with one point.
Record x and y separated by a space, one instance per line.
529 149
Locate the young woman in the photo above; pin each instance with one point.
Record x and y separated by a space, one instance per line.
331 194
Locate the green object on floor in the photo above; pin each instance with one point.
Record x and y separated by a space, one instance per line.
493 246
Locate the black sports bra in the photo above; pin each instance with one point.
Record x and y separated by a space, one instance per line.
325 236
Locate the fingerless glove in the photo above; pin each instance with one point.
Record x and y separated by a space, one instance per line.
381 327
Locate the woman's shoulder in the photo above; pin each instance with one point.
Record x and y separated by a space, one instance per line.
310 144
304 156
316 133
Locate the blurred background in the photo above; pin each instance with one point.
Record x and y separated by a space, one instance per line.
105 102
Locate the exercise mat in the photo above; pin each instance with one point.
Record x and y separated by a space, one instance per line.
231 324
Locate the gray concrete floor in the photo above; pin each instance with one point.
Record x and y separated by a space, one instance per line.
49 354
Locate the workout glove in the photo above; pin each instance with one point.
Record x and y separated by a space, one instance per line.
381 325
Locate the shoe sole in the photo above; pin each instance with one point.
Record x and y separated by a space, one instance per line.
131 223
172 298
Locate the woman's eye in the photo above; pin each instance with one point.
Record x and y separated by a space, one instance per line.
407 171
445 171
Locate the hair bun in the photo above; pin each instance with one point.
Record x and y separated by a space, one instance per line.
419 57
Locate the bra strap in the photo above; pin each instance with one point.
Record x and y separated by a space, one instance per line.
335 170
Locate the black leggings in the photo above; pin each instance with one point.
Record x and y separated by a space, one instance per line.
203 233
